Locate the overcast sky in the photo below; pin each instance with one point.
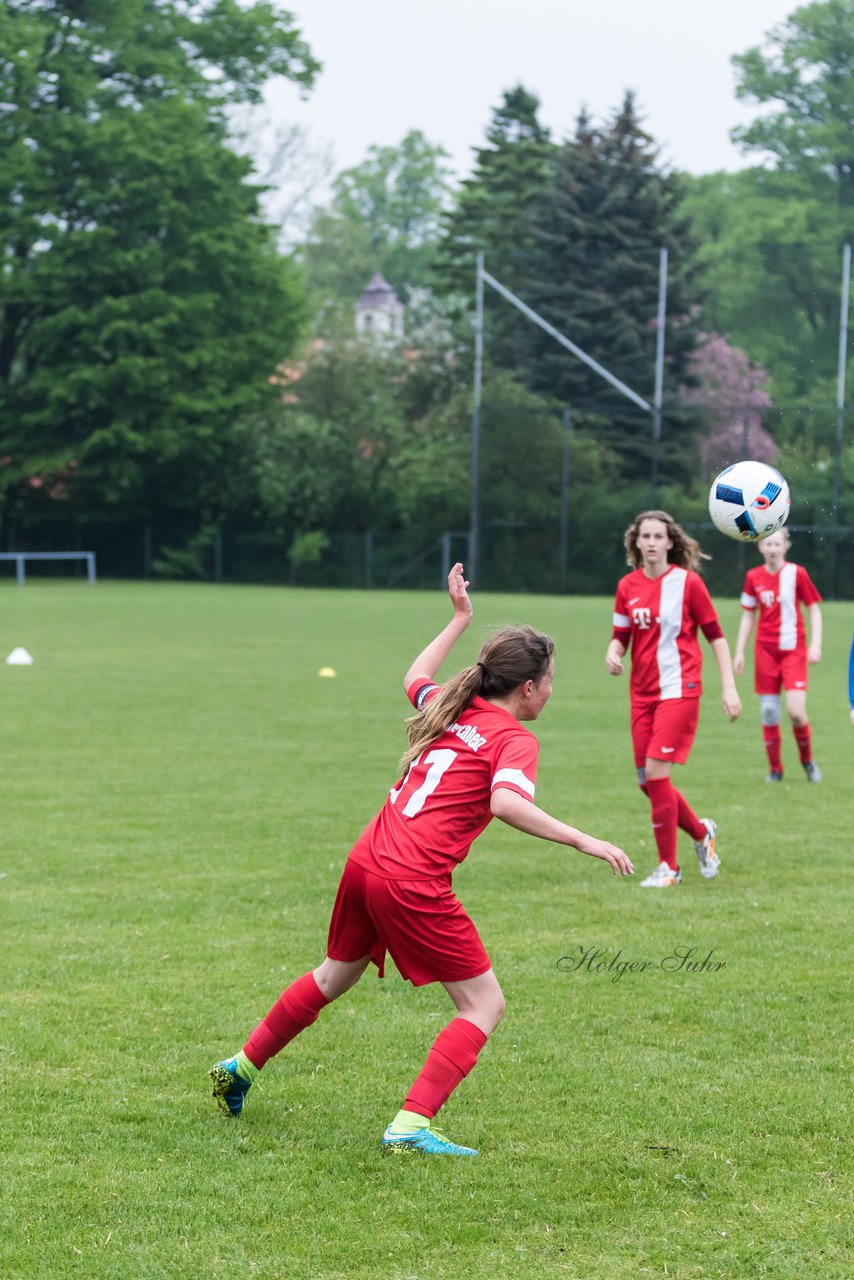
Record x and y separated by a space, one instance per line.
441 66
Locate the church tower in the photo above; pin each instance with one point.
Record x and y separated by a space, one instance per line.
379 311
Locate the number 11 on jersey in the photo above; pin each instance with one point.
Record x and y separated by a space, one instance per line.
439 761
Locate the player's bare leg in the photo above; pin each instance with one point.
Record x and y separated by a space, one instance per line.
480 1006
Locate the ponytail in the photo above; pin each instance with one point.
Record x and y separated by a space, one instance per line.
508 659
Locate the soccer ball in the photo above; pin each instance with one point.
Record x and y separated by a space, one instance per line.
749 501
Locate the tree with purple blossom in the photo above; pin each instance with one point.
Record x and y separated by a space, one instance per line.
731 393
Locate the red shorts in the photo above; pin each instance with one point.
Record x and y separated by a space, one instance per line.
664 730
421 923
779 668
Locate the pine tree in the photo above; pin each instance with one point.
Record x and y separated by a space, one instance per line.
593 273
492 213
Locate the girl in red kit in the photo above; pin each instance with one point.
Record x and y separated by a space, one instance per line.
657 611
470 759
776 590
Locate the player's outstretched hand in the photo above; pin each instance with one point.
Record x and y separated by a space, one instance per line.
617 860
458 591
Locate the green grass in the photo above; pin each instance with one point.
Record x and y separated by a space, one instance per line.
179 794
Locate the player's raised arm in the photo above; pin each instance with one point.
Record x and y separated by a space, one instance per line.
430 659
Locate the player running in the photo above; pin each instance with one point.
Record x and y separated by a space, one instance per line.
470 759
657 611
777 589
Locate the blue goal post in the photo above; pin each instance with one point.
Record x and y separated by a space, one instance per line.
20 557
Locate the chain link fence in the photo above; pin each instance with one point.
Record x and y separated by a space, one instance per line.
556 488
512 558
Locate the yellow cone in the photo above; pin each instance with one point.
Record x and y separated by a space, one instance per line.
326 672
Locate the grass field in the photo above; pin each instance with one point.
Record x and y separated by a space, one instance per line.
179 794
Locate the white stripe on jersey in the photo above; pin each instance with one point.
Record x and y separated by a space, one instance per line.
748 601
517 777
788 607
622 620
670 612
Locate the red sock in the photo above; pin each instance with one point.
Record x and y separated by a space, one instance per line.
296 1009
451 1058
662 797
773 740
803 737
687 819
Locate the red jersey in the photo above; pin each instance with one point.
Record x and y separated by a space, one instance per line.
778 597
432 815
658 618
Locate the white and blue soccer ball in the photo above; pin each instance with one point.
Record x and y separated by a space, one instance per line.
749 501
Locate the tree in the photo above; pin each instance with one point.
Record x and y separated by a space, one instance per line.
772 236
291 167
593 272
492 206
732 397
769 260
492 213
806 68
325 455
384 216
144 301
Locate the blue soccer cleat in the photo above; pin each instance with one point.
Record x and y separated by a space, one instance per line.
229 1087
427 1140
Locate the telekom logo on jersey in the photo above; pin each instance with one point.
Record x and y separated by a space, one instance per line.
642 618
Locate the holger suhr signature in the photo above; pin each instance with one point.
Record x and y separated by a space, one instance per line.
604 960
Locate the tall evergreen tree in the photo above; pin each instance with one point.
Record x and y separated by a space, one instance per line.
492 213
593 272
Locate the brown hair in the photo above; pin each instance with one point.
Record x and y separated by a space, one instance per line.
685 551
507 659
